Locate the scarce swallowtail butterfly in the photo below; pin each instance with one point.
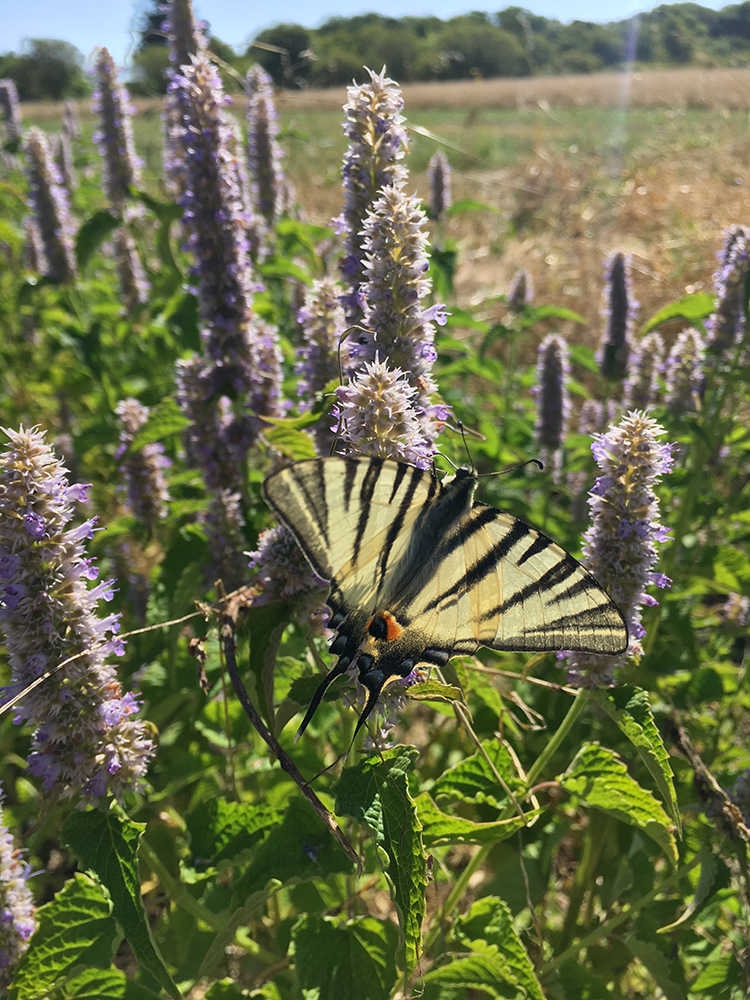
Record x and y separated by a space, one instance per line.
419 571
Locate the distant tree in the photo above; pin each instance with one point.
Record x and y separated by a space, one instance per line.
282 52
46 69
677 39
473 46
732 21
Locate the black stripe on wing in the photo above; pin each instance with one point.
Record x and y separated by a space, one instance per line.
315 498
366 492
397 524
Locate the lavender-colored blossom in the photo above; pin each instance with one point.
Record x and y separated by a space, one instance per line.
377 142
10 110
322 320
620 546
263 151
213 216
395 265
439 179
17 911
641 385
552 398
185 35
256 229
86 739
620 309
683 372
281 573
71 120
49 204
64 159
134 285
33 250
726 326
521 291
146 490
376 416
114 137
225 540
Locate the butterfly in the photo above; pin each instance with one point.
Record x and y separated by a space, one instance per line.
419 571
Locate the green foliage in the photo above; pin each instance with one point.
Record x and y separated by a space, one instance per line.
46 70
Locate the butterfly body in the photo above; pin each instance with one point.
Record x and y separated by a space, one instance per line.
420 572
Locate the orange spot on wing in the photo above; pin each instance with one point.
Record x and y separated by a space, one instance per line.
394 629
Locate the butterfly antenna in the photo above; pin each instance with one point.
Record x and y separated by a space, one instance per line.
342 338
337 671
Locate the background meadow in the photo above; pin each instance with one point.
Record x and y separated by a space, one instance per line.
519 836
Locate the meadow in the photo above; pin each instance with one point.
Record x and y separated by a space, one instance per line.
527 829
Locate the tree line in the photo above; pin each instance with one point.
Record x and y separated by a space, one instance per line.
512 42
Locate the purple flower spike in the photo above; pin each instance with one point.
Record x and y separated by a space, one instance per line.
376 417
17 911
10 110
683 372
640 387
48 614
521 291
323 325
71 121
281 573
439 179
726 326
395 266
619 312
620 546
114 136
553 403
49 204
225 540
377 142
143 471
185 35
263 151
134 285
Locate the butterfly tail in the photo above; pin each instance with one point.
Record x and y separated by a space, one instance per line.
341 666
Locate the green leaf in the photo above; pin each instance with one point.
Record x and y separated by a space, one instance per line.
168 211
107 845
469 205
225 989
725 973
694 308
265 625
293 444
353 959
376 793
93 233
473 779
221 830
490 920
75 929
666 971
444 828
486 968
434 691
599 778
535 313
282 268
629 707
713 877
578 983
164 419
105 984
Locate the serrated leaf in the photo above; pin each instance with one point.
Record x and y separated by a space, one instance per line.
434 691
294 444
442 828
353 959
221 830
473 780
630 708
725 973
93 233
667 972
107 845
599 778
105 984
75 928
486 968
164 419
713 877
694 308
376 793
490 919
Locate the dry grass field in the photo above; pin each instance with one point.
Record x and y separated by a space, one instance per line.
571 168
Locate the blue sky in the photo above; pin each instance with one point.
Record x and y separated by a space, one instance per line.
90 23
